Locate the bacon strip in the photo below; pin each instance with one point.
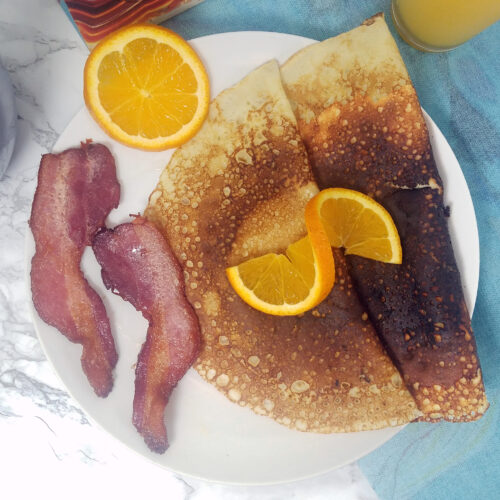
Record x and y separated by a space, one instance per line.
76 190
138 265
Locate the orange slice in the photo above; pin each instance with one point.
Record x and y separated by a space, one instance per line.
146 87
290 284
358 223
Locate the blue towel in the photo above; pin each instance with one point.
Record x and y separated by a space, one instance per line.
461 91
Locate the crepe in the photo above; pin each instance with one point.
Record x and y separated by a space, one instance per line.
238 190
363 128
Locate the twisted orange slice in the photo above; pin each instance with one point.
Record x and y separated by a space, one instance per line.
299 280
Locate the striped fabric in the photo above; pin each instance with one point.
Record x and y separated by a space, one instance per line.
95 19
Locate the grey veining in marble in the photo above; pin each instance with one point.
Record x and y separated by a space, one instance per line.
7 120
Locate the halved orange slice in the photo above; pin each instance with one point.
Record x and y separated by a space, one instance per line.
290 284
146 87
358 223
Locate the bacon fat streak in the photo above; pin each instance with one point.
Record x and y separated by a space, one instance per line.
138 265
76 190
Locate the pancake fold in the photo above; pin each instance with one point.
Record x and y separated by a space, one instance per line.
238 190
361 122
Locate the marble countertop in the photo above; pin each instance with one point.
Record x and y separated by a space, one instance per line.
48 444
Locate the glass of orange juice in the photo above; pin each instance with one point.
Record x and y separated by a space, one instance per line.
439 25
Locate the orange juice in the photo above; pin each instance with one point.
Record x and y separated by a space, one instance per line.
437 25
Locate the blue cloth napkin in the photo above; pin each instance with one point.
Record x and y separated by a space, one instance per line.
461 91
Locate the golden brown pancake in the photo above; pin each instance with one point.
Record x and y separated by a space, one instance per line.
238 190
363 128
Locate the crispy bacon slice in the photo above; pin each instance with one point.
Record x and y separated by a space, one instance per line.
138 264
76 190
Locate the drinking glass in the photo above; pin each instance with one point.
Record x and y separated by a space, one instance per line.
440 25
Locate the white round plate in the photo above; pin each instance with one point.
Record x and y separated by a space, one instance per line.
210 437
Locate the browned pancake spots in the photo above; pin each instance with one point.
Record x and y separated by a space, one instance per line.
382 149
371 20
325 371
374 147
419 311
233 197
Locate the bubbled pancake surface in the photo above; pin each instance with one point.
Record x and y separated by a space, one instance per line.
363 128
238 190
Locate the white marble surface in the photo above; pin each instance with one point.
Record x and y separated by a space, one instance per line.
48 446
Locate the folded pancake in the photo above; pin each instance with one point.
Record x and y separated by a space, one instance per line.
363 128
238 190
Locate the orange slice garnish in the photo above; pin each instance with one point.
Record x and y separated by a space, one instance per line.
289 284
358 223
